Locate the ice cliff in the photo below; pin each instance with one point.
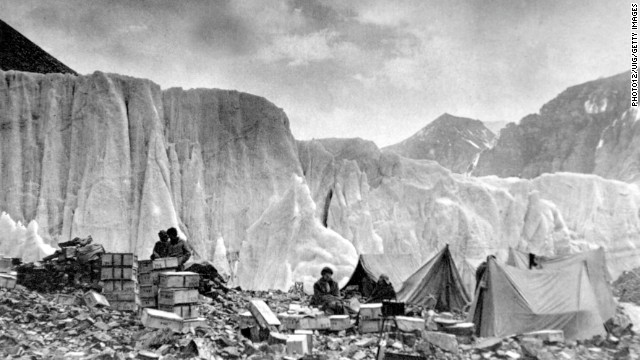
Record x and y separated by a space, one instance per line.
120 159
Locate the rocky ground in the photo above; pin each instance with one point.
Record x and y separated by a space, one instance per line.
35 326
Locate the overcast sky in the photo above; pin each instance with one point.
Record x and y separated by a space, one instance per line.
379 70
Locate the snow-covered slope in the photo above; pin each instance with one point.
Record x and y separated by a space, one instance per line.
454 142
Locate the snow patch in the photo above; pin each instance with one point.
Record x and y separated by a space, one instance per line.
595 106
472 143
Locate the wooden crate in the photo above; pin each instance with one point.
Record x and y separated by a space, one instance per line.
340 322
119 260
159 319
148 290
186 311
7 281
118 273
126 305
177 296
165 263
145 266
370 311
120 285
92 299
181 279
319 322
148 302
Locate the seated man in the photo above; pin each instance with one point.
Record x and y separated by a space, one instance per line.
178 248
383 290
326 294
161 247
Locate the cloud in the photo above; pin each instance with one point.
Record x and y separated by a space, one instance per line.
299 50
370 68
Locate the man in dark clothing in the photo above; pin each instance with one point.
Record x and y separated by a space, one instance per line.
326 294
210 278
161 247
178 248
481 270
383 290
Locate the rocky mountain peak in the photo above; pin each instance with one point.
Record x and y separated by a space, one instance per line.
452 141
588 128
21 54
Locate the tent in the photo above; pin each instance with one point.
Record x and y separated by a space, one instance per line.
513 301
439 278
596 266
370 266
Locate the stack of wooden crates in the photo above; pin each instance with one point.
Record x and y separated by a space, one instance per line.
178 293
149 277
119 274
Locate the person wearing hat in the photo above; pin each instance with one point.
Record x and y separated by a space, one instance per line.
326 293
383 290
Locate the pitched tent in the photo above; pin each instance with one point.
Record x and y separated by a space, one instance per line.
515 301
370 266
439 277
598 274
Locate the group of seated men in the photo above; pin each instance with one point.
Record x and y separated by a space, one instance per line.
326 293
170 245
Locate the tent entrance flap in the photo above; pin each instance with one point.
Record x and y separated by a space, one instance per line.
398 267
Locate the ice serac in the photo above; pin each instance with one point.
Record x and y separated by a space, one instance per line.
21 241
234 151
454 142
119 159
588 128
339 173
288 243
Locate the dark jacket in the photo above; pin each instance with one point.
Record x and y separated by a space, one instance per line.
323 294
382 291
480 272
179 249
160 250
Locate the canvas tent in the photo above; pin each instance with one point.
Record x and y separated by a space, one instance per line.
439 278
370 266
514 301
599 276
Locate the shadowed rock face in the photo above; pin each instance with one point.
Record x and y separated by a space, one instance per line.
118 158
454 142
588 128
20 54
